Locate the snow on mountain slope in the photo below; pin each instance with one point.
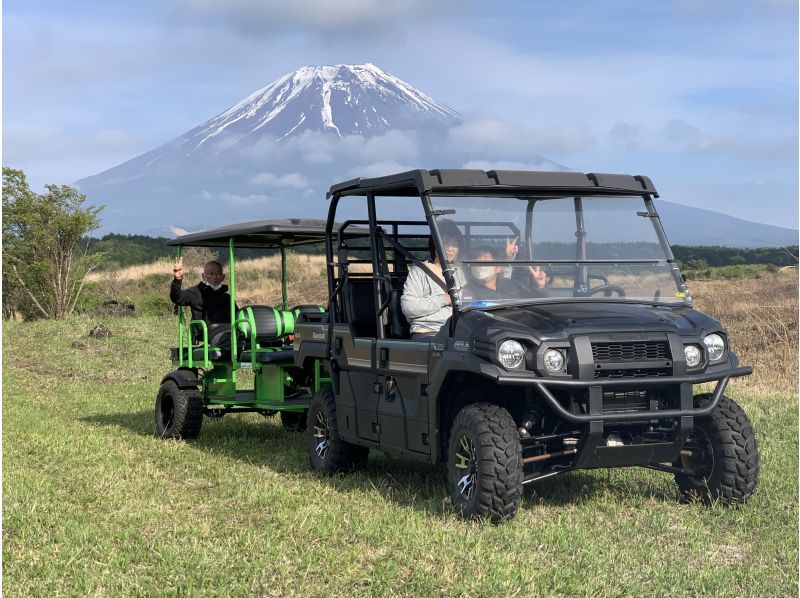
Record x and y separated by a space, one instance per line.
342 100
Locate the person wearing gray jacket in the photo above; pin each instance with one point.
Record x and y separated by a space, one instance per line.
425 303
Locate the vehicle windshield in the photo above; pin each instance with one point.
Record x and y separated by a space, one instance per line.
519 250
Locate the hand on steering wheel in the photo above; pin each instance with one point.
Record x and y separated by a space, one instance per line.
607 289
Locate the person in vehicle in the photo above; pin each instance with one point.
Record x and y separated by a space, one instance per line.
208 300
490 282
424 302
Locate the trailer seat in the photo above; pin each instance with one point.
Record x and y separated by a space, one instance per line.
214 354
269 355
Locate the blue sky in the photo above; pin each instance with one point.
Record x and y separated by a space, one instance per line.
701 95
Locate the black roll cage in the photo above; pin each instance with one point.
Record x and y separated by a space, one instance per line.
423 184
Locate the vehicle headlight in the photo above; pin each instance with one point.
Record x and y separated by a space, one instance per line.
693 355
553 360
715 345
510 354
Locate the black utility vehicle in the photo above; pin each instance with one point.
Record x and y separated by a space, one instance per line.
526 381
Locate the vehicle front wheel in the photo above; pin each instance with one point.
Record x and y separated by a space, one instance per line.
179 412
720 458
484 463
327 451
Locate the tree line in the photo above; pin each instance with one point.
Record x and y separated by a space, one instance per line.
48 250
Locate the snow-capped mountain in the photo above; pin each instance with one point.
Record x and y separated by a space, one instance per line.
275 153
342 100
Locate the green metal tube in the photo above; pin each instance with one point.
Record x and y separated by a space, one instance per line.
284 292
234 343
180 322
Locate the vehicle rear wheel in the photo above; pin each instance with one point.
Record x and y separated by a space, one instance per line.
179 412
484 463
294 421
721 457
327 451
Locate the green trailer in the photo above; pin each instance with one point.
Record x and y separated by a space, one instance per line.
208 380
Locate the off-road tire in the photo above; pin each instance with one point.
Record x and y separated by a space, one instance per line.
294 421
728 473
179 412
326 450
495 466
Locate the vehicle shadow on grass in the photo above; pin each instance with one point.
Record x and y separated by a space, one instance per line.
410 484
264 443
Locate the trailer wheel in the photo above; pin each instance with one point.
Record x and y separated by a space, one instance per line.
294 421
179 412
721 457
484 463
327 452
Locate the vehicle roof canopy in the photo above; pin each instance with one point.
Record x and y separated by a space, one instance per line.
288 232
497 182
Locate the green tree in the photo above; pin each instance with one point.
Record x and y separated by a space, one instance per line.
43 264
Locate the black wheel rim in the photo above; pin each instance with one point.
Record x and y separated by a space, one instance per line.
321 436
466 467
167 411
697 456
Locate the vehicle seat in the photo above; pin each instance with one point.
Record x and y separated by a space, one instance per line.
398 324
359 304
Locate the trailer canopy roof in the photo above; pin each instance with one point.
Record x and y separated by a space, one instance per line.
259 233
497 182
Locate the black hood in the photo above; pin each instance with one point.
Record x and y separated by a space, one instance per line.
560 320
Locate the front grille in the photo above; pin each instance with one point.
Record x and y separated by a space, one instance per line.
622 402
633 373
636 351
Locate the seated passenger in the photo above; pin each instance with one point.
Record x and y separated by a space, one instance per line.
489 284
208 300
425 304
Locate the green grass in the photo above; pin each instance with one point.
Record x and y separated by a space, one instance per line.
94 504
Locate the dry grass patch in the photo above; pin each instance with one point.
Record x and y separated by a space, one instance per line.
761 316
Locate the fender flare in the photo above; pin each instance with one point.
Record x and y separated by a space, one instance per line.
183 377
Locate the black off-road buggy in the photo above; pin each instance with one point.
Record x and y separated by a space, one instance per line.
597 370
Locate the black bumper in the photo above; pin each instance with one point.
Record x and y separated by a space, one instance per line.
595 388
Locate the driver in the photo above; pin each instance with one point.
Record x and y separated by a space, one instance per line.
424 302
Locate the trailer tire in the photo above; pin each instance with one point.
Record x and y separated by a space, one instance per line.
178 412
294 421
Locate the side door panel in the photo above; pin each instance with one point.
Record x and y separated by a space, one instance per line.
357 403
402 368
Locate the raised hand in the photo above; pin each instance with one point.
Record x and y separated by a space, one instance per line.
177 269
538 277
512 249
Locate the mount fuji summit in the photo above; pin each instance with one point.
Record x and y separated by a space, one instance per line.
341 101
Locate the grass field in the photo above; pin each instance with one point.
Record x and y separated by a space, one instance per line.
94 504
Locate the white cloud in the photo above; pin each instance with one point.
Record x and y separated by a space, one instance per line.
178 231
506 165
244 200
503 140
376 169
626 134
255 17
292 180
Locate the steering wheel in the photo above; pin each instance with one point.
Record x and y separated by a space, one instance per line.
607 289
